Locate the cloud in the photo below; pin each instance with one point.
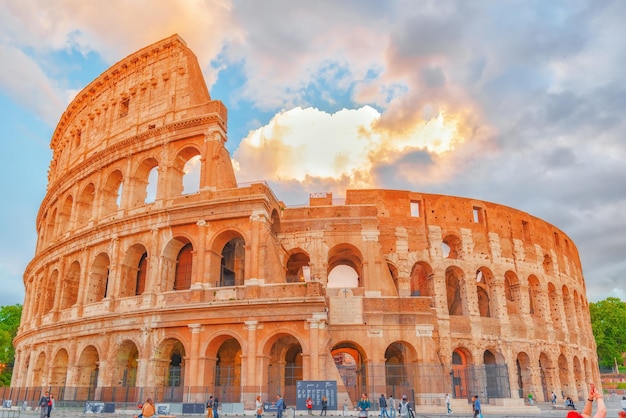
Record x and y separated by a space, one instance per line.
356 149
47 28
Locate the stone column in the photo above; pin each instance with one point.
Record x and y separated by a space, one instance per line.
191 366
250 380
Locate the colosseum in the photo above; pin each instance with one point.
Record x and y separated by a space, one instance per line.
157 274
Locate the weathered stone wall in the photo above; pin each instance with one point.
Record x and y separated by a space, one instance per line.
125 291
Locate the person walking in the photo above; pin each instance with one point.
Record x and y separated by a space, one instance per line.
43 405
50 405
215 406
391 404
209 407
476 407
324 406
280 406
382 404
449 410
364 405
404 407
259 406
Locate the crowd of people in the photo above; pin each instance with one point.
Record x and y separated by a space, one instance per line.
387 406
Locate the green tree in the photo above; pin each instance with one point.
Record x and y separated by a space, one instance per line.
608 322
9 323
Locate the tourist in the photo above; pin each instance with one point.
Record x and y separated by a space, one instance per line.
324 405
391 404
259 407
404 407
569 403
147 409
50 405
586 413
280 406
553 398
309 405
209 407
215 406
449 410
43 405
382 404
476 407
364 405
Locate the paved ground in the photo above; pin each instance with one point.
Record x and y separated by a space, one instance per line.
545 410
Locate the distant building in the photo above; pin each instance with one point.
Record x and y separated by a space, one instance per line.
152 279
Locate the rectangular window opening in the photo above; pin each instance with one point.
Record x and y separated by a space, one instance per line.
415 208
556 239
124 107
526 231
478 215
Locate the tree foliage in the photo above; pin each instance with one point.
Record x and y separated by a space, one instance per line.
608 322
9 323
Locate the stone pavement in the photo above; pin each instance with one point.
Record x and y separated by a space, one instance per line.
539 410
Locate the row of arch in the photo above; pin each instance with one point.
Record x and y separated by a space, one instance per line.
482 293
149 180
221 367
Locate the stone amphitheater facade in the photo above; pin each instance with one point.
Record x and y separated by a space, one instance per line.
223 289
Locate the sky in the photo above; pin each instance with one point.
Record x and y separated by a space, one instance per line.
520 103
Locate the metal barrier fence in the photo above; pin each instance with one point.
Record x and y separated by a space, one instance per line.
422 384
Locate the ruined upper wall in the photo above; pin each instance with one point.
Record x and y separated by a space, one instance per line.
152 88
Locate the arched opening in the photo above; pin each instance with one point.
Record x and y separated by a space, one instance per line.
49 291
460 363
563 378
275 222
285 366
58 375
39 371
191 175
453 290
84 205
555 309
184 264
228 371
451 247
98 279
343 276
351 364
421 275
298 269
511 292
545 367
185 172
69 291
124 369
87 373
233 263
533 296
345 266
482 292
170 372
134 270
144 183
524 375
399 380
65 216
112 193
